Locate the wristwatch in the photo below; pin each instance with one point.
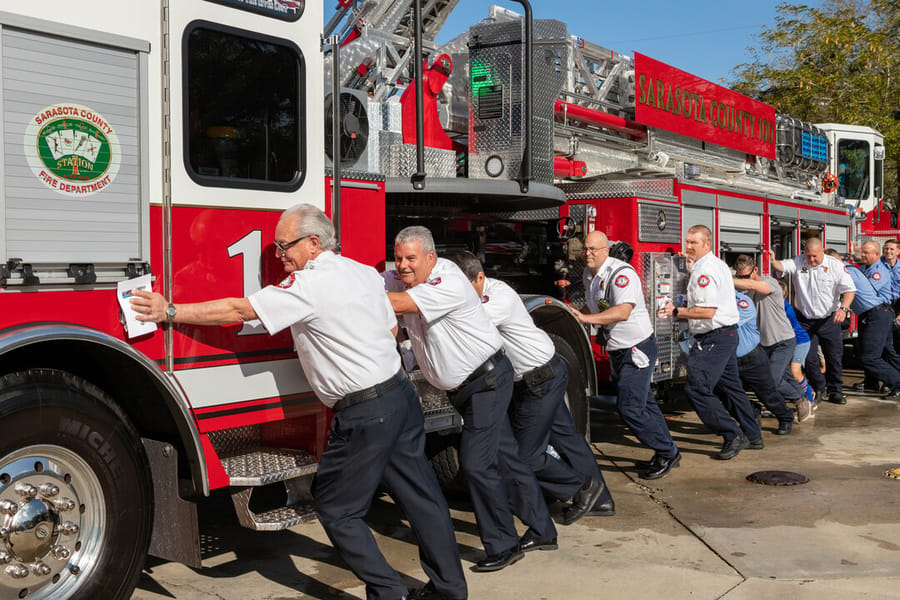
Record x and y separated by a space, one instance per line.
675 312
846 310
170 312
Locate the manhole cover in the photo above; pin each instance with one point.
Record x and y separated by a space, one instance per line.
892 473
777 478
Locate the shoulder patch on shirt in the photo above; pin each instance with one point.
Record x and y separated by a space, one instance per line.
703 281
622 281
434 281
876 275
743 303
288 281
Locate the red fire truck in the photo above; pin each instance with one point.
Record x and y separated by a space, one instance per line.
159 141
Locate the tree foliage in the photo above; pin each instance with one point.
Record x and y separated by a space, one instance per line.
838 63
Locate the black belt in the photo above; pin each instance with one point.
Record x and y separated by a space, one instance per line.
727 328
874 308
485 368
379 389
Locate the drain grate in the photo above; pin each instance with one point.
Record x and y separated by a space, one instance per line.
777 478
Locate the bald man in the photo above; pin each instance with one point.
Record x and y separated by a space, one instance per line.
823 293
615 301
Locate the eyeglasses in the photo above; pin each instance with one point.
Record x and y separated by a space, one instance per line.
283 247
745 276
592 250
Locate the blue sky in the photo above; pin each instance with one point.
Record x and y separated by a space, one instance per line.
707 39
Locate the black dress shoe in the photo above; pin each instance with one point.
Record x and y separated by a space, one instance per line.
732 447
837 398
784 427
756 444
429 593
529 541
499 561
892 395
584 500
660 466
862 387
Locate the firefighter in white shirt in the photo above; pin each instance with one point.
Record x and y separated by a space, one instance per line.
712 360
460 351
823 293
538 412
343 329
615 302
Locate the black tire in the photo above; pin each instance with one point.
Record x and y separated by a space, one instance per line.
87 516
442 451
576 395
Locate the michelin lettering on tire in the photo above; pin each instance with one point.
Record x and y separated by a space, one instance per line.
72 149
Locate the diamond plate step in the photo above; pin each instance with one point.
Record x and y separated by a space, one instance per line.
262 465
299 508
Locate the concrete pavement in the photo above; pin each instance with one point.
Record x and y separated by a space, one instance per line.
703 532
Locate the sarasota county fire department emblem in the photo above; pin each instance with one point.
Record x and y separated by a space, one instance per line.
743 304
703 281
72 149
288 281
434 281
621 281
876 276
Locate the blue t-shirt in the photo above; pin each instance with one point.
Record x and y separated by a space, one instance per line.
802 334
748 334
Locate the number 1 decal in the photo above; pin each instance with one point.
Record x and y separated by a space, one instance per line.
250 247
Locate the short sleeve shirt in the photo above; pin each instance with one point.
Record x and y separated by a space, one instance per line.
817 289
895 278
451 333
748 334
774 325
625 287
879 275
341 322
526 346
711 286
866 297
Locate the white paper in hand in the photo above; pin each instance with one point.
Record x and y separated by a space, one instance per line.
133 327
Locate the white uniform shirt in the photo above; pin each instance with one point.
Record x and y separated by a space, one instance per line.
451 334
711 286
626 288
341 321
526 346
817 290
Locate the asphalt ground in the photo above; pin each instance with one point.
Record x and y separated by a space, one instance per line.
703 532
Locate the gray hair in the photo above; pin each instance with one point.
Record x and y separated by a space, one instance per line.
468 263
416 233
312 221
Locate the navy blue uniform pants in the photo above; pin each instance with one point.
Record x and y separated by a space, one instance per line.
712 365
539 418
499 481
780 355
382 442
826 333
876 346
756 375
636 404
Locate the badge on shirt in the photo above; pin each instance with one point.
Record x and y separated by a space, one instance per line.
876 275
485 299
622 281
743 304
804 270
825 269
434 281
288 281
703 281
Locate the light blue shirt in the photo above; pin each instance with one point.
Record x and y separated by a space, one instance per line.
895 278
748 334
879 275
866 297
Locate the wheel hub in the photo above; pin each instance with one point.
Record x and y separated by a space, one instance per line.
48 512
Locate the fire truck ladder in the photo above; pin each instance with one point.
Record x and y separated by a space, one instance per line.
377 41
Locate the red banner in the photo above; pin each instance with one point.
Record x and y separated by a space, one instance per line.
673 100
